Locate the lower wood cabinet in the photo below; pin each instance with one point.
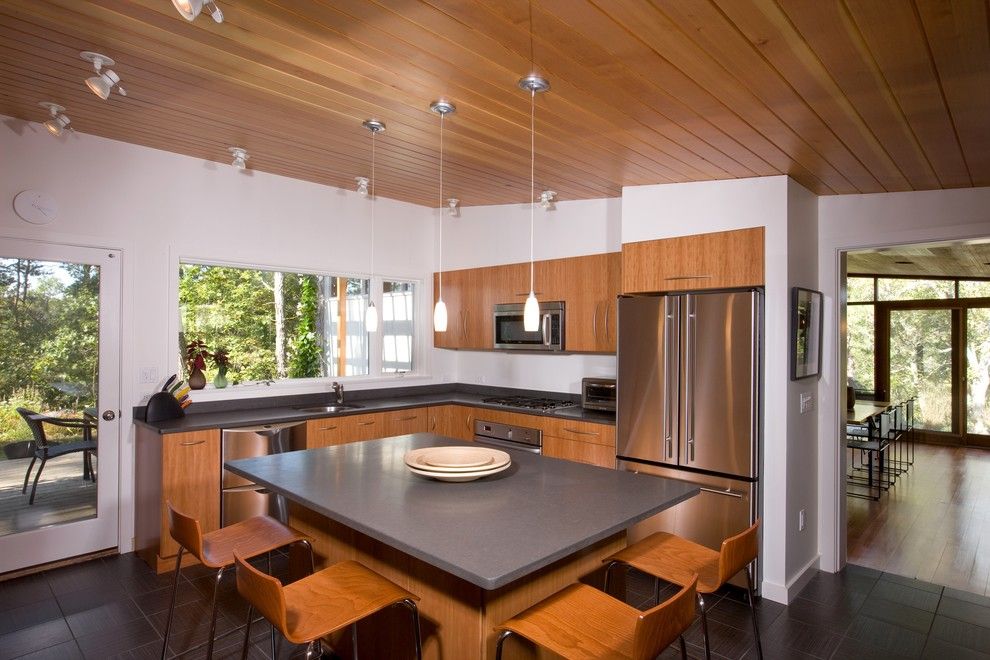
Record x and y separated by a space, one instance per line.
401 422
582 452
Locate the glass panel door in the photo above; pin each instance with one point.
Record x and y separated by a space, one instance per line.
921 364
978 371
59 401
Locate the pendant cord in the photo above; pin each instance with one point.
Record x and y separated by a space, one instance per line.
532 180
373 204
440 207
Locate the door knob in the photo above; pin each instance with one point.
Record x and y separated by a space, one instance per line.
109 415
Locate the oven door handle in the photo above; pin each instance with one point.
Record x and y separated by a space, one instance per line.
505 444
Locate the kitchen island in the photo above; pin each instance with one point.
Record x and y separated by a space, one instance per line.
475 552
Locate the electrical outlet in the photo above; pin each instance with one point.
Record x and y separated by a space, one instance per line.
801 520
148 375
807 402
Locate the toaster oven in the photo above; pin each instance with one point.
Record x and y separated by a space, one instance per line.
598 393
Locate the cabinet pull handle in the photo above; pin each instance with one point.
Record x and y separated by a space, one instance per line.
464 324
326 428
469 423
190 444
726 493
690 277
594 321
608 308
581 432
406 419
366 423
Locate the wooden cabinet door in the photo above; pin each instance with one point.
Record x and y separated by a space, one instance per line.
592 285
704 261
583 452
401 422
190 481
355 428
323 432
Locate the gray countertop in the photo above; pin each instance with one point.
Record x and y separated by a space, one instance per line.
489 532
276 414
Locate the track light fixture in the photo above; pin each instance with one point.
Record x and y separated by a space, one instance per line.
454 205
190 9
105 80
240 155
548 200
58 122
362 185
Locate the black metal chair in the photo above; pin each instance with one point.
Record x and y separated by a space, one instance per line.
873 441
46 449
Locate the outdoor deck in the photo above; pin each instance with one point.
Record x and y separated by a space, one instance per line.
63 496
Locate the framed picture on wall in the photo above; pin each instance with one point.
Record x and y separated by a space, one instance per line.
806 333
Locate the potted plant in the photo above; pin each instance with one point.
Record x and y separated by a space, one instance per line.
196 356
222 362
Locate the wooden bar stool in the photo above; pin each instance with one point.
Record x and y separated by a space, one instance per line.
582 622
672 559
322 603
252 538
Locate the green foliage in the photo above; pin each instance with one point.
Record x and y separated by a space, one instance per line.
305 362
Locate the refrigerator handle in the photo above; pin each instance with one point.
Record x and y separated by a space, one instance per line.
689 376
754 366
667 413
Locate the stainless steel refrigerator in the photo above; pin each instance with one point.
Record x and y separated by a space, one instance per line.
689 408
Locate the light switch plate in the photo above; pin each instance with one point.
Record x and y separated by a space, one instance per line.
148 375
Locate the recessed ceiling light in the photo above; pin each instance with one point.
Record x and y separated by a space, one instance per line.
104 81
58 122
190 9
240 155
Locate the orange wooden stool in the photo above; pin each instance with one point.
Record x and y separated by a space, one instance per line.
674 559
582 622
322 603
253 537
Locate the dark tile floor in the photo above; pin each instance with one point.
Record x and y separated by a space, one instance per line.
116 607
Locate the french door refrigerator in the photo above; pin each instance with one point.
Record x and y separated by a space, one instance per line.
688 406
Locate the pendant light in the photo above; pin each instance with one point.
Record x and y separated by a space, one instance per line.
442 108
371 314
531 311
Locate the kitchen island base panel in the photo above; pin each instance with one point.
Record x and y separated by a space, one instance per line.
458 617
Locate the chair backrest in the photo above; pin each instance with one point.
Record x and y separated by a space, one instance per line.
909 405
656 628
737 552
37 429
883 425
264 592
185 530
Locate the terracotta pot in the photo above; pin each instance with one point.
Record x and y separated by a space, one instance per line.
197 379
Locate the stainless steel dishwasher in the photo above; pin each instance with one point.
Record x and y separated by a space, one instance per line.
240 498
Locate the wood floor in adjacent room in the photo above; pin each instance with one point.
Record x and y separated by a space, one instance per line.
934 522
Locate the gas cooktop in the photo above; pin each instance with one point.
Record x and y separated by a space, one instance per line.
531 402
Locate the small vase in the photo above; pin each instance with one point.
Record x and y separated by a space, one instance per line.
220 380
197 379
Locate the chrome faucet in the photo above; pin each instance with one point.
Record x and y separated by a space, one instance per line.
338 391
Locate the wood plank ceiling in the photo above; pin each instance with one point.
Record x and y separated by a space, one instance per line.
845 96
966 259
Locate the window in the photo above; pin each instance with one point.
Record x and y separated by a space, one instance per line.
974 289
860 348
859 289
891 288
398 303
275 325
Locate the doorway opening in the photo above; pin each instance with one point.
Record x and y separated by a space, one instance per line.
917 356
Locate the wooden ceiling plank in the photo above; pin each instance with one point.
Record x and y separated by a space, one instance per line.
958 34
665 38
770 31
829 31
894 35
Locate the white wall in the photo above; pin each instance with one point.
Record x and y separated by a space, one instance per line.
157 206
848 222
493 235
786 210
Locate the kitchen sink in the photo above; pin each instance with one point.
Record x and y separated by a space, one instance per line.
337 407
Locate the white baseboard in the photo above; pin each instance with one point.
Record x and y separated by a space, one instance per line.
784 594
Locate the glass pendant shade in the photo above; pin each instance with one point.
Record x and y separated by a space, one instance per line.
371 318
531 314
440 316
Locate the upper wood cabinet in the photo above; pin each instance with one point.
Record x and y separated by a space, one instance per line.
718 260
587 285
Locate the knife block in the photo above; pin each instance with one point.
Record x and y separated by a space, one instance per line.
162 406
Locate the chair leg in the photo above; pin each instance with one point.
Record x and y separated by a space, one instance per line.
704 627
37 475
213 616
502 636
354 653
752 608
417 639
247 635
171 607
28 475
86 465
273 642
680 638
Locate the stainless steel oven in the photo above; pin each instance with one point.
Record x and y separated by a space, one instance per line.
507 436
510 334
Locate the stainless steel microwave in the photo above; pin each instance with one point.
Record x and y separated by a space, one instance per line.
510 334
